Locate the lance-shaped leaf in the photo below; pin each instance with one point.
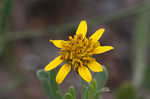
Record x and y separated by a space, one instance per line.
49 83
72 92
84 92
101 78
92 90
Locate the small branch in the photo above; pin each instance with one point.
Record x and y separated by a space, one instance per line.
64 27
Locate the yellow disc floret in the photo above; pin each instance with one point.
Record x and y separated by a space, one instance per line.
78 51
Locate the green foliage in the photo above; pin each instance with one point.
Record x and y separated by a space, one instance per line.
101 78
51 87
70 94
84 92
97 86
94 89
49 84
126 92
89 91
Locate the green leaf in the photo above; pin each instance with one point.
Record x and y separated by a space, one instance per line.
101 78
72 92
43 77
68 96
92 90
83 82
97 84
98 92
94 84
49 83
105 89
84 92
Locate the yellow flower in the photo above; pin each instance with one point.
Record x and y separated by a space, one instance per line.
77 54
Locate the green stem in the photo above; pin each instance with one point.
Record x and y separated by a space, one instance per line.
140 42
84 92
72 92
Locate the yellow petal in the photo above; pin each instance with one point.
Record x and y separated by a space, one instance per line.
102 49
63 72
53 64
82 28
85 73
95 66
59 43
97 35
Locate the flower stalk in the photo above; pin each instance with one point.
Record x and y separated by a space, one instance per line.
141 43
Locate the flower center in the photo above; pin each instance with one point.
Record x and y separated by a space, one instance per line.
79 51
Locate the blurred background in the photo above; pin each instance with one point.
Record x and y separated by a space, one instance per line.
26 26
